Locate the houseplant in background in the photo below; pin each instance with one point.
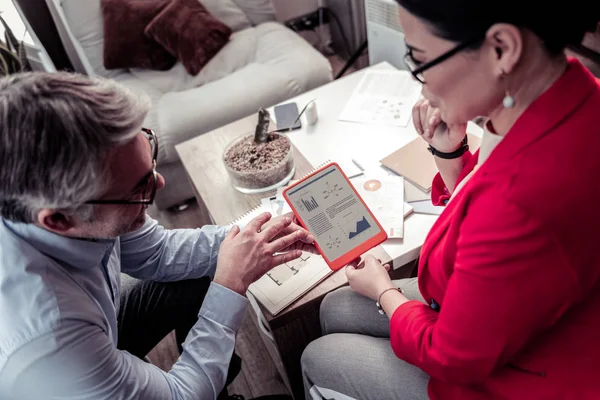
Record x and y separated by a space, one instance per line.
13 58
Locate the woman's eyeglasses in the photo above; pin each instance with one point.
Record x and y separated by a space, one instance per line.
148 192
417 69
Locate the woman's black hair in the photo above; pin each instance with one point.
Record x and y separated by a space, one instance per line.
557 24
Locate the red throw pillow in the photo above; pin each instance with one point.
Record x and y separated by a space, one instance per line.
125 44
190 33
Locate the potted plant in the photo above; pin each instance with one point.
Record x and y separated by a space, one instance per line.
13 58
261 161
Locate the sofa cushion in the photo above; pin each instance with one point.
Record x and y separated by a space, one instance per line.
84 19
125 44
269 43
187 31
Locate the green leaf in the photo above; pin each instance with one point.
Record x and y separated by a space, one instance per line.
23 60
10 62
3 65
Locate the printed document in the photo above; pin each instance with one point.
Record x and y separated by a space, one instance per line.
383 98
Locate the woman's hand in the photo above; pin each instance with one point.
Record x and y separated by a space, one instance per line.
245 256
369 277
433 130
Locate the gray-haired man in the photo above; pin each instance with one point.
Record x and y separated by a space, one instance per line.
77 172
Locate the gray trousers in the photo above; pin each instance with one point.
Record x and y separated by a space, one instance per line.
354 357
150 310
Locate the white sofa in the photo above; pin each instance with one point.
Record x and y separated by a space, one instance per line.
263 64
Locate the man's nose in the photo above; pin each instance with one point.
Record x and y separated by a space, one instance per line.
161 181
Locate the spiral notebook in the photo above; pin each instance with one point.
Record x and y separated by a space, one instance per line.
285 283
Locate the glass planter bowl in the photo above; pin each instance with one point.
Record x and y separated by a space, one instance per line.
259 168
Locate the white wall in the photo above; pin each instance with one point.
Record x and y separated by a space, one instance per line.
12 18
287 9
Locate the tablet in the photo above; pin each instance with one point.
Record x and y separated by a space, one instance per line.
328 206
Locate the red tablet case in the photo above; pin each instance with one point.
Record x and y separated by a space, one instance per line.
356 252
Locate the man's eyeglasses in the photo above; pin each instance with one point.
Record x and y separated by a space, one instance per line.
417 69
148 191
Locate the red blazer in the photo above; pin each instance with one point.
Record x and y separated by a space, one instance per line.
514 263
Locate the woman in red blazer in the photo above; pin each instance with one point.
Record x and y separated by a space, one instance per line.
508 299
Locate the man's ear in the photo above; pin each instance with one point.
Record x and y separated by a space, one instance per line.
506 43
55 221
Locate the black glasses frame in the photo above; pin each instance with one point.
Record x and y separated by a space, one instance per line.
417 71
150 199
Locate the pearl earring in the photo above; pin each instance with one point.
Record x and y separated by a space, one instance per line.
508 101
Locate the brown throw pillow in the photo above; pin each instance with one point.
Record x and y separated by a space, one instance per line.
190 33
125 44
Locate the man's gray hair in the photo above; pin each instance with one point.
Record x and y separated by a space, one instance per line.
56 130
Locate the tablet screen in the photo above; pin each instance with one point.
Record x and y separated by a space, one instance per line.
332 211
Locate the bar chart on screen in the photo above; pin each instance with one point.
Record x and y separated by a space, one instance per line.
310 203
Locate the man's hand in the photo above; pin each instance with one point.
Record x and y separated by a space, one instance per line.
245 256
306 242
369 277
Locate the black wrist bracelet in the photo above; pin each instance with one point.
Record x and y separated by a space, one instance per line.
449 156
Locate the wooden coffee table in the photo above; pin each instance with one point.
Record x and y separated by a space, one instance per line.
290 331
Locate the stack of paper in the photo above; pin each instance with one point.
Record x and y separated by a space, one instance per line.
383 98
384 195
285 283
